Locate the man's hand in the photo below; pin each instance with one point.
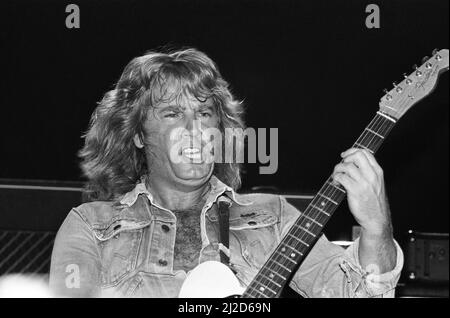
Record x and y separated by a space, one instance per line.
362 178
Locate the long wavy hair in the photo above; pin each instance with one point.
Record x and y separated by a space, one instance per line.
110 160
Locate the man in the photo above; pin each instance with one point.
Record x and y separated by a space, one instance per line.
154 192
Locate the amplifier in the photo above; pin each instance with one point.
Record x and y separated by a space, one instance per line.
426 257
36 205
31 211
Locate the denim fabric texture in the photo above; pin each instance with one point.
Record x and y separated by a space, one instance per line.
126 249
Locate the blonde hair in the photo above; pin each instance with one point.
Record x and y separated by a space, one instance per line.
110 160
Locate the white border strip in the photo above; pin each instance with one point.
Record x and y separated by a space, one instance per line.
45 188
295 196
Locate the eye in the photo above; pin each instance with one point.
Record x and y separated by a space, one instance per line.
171 115
205 114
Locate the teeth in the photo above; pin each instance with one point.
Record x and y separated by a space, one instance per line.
191 151
193 156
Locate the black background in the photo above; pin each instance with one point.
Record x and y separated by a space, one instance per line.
309 68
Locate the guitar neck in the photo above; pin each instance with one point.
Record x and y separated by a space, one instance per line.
296 244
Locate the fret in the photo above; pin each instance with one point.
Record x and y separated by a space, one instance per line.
269 279
327 198
287 257
312 220
317 208
363 147
278 274
374 132
384 124
283 249
281 265
259 292
329 189
321 202
336 187
263 286
370 139
381 130
298 239
307 231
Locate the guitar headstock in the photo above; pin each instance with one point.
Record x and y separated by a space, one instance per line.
414 87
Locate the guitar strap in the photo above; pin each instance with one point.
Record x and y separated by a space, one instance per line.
224 230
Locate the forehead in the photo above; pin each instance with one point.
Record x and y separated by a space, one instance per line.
171 93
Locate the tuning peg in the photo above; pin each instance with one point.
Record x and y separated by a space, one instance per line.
388 96
398 89
408 80
434 51
418 72
424 59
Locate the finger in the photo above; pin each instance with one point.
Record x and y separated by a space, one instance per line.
373 162
369 156
350 169
345 181
359 159
349 152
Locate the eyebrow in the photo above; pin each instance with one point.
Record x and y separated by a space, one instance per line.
206 106
202 107
170 108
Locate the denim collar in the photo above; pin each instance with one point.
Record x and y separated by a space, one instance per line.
218 188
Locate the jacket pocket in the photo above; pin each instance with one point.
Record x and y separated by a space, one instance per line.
119 248
257 235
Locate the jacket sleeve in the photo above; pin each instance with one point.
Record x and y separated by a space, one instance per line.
330 270
75 264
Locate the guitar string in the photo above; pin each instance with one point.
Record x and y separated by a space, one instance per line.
389 126
363 136
385 124
277 258
264 280
362 140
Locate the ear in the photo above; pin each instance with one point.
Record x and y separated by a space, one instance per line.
138 141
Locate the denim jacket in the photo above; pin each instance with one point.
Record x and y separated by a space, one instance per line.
127 249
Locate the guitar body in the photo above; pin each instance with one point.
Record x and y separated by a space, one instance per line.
211 279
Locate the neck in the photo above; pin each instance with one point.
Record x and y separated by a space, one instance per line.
174 198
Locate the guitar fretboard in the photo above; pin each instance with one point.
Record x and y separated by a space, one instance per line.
296 244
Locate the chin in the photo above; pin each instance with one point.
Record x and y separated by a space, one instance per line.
193 174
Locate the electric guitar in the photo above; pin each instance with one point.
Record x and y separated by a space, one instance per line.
214 279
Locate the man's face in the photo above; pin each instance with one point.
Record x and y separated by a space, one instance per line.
174 146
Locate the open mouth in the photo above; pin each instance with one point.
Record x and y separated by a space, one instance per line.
192 153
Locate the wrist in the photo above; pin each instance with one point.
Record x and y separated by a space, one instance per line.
376 232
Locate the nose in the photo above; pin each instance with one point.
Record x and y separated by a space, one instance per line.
193 125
